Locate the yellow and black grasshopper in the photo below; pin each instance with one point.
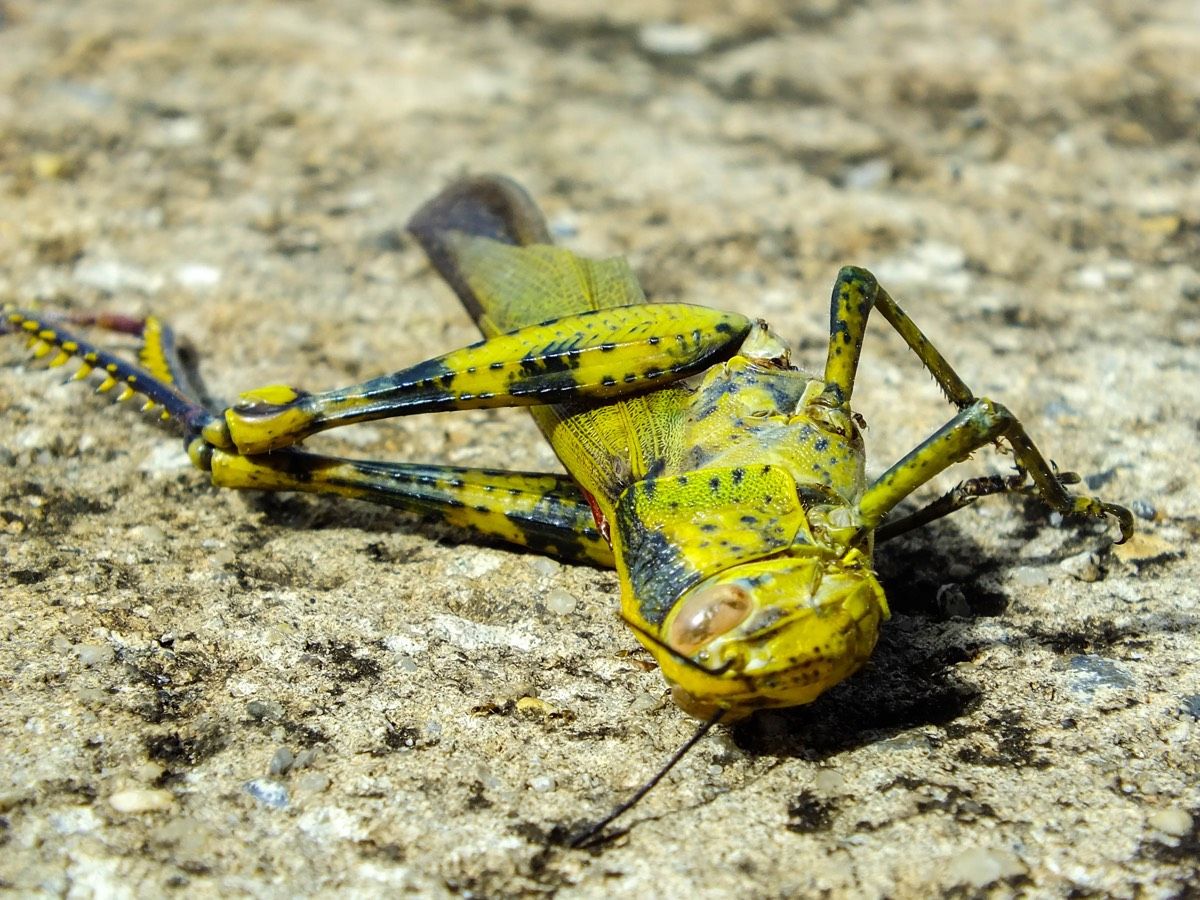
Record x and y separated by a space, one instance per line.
725 485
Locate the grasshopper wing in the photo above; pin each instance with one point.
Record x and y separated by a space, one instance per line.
488 240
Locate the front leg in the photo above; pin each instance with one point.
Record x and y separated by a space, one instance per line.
978 423
600 355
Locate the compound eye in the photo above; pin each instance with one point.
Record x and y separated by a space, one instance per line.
708 614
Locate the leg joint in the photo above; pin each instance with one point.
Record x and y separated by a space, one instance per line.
987 415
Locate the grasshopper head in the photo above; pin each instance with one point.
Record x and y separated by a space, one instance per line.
772 633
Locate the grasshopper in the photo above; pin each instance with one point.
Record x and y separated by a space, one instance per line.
726 486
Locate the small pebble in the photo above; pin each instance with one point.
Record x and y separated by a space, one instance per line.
180 132
149 771
305 758
1090 278
829 781
1029 576
312 783
150 535
1172 820
197 276
176 830
1082 566
267 792
264 709
671 39
869 174
544 565
978 867
141 800
1089 673
94 654
1144 509
89 696
281 762
74 820
565 225
560 602
165 457
541 783
114 277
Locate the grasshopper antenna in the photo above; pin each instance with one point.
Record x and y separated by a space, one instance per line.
593 835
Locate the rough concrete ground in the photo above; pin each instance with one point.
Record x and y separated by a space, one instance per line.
219 693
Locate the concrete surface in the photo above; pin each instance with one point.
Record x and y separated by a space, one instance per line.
220 694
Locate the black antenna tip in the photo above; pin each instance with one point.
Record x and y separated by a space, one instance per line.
593 836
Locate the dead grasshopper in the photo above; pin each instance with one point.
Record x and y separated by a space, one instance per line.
726 486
